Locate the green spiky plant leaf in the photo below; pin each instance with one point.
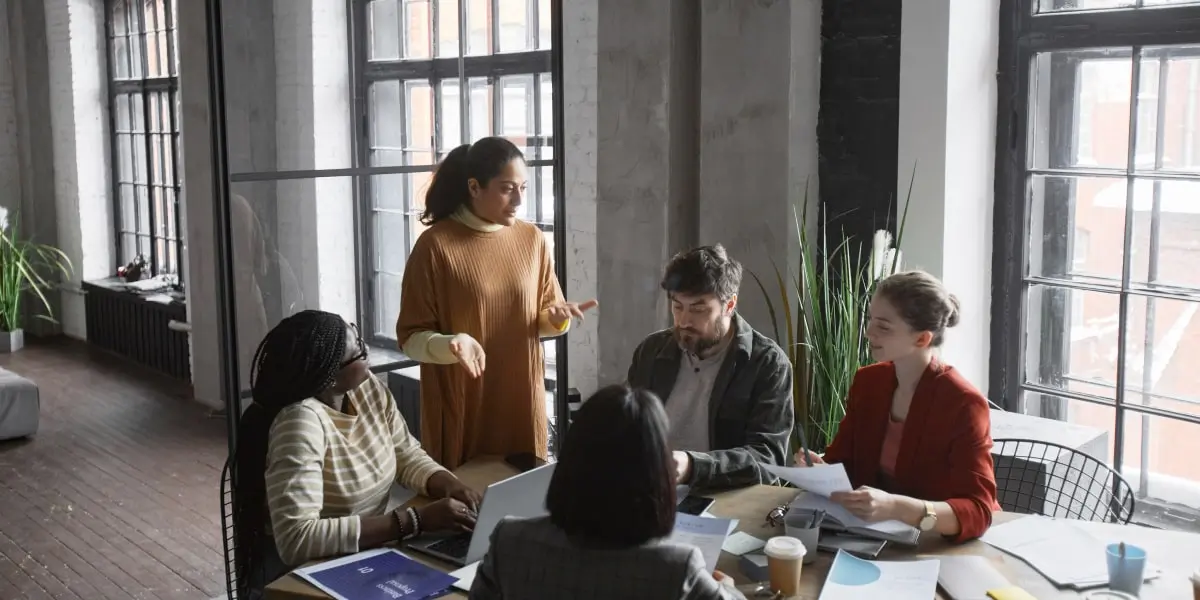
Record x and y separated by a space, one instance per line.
819 314
26 267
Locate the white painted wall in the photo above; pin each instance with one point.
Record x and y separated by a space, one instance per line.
948 54
79 120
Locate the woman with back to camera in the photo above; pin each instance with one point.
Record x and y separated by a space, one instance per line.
916 439
318 451
611 503
479 291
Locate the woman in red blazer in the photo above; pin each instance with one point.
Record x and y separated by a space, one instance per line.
916 438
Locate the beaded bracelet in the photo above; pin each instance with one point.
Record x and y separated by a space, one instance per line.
397 513
416 519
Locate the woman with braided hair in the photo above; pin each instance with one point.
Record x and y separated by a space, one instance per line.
318 451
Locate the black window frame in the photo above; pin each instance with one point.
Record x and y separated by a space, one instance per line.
1023 35
166 180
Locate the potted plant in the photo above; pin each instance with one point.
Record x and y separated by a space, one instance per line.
25 267
823 308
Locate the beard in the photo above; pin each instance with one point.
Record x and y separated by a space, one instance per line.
700 344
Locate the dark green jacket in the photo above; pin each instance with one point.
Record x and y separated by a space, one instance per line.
750 412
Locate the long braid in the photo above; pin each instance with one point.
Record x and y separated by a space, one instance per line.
298 359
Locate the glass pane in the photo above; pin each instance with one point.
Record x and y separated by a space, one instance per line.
1070 340
384 26
1065 5
391 251
138 111
154 64
142 193
1169 2
546 106
169 216
128 208
479 27
545 187
1158 459
139 159
272 225
544 22
418 124
417 28
1077 228
143 246
387 305
516 25
1079 107
120 52
387 191
480 108
155 112
450 119
550 347
415 229
128 248
137 51
387 115
1168 97
447 27
124 158
516 109
116 16
1162 350
1166 232
416 186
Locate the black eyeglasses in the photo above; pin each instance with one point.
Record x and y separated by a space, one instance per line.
362 348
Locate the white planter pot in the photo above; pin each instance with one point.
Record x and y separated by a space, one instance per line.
11 341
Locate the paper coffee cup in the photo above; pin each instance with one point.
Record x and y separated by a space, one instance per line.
785 561
1196 585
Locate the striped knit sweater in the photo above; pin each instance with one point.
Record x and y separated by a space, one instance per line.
326 468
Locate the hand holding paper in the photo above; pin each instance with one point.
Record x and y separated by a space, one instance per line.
822 480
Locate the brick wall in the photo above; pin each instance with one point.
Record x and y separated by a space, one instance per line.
858 123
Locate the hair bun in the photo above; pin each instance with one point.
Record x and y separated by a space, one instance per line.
953 314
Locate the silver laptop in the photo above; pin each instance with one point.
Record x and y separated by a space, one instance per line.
522 495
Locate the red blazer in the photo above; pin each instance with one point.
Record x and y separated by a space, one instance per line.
945 454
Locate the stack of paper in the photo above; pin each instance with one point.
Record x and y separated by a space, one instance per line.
853 578
1064 554
821 481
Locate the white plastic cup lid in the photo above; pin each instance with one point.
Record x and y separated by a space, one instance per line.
785 548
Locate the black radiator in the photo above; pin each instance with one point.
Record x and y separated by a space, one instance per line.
125 323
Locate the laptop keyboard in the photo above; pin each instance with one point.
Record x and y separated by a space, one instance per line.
455 546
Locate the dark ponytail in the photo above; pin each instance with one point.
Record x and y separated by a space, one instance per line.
298 359
481 161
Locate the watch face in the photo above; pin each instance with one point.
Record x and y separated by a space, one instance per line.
928 522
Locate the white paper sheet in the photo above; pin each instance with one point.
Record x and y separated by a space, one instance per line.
852 578
465 576
1063 553
704 533
822 480
848 519
741 542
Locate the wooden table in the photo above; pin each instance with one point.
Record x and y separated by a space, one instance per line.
1177 553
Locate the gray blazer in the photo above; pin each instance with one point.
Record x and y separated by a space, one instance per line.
531 559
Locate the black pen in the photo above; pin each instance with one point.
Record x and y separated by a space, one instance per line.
804 447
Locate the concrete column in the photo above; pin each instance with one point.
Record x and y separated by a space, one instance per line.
759 79
10 161
579 88
948 59
80 134
197 204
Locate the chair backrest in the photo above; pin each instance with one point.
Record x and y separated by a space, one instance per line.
1044 478
228 537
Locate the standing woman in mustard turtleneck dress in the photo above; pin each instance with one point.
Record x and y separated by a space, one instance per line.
479 291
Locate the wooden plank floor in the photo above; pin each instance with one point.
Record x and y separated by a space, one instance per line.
117 495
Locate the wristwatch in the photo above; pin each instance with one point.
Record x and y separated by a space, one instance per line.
929 521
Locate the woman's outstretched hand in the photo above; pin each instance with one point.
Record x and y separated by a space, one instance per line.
469 353
560 313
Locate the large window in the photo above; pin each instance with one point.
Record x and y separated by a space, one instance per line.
436 74
1098 215
144 109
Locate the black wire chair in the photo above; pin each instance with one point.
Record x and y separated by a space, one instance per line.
1048 479
228 537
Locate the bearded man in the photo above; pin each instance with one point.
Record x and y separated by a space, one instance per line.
727 389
